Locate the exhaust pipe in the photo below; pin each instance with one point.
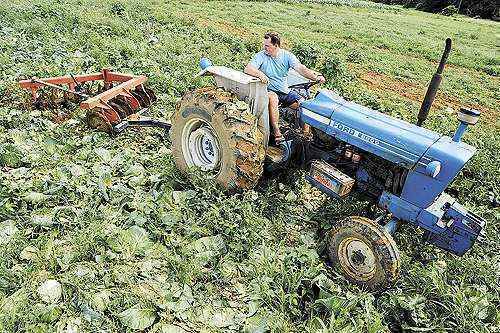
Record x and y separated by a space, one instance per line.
433 86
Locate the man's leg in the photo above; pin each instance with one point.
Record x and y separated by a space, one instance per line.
291 100
274 115
306 129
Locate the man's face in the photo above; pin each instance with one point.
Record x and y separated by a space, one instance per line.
269 48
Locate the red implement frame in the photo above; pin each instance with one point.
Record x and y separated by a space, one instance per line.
103 113
128 82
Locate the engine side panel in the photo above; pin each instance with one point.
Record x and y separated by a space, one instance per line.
390 138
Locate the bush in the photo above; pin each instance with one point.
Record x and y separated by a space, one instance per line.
449 11
482 8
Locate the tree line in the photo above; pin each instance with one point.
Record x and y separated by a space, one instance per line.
476 8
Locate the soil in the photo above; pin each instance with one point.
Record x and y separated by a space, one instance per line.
381 83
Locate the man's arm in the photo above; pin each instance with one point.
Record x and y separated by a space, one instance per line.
251 70
309 74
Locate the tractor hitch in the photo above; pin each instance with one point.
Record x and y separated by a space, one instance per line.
138 120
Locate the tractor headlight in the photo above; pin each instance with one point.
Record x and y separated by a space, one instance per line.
432 169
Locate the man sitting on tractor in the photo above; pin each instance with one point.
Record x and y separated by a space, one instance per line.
271 66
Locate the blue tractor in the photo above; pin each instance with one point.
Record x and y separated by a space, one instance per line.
402 168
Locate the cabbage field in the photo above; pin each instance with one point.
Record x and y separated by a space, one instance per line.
102 233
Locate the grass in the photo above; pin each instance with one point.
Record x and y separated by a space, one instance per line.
136 245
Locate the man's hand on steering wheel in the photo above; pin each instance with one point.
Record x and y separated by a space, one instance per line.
320 78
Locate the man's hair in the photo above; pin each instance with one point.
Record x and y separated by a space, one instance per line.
275 38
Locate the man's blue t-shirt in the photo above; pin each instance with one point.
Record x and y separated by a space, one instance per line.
276 69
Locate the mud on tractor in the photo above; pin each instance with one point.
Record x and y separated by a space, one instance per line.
402 168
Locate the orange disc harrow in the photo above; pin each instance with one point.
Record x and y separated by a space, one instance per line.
123 95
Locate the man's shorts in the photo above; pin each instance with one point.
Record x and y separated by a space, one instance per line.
287 99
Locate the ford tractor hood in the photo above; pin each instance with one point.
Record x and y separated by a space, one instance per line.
393 139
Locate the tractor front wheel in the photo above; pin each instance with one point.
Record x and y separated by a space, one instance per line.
214 132
365 252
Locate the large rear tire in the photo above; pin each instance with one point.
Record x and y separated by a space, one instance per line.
365 252
212 131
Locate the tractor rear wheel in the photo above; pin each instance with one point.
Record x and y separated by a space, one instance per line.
365 252
212 131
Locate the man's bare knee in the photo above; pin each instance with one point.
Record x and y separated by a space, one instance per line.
273 98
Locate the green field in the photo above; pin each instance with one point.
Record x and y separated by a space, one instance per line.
135 245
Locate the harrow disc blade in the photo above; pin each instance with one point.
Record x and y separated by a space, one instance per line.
41 103
96 119
118 109
144 95
103 119
140 98
122 101
151 94
112 116
134 103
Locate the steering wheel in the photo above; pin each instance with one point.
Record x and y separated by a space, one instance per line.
304 85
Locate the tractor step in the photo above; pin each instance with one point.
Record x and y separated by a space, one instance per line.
275 154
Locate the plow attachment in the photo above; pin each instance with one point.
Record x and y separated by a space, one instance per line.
119 103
